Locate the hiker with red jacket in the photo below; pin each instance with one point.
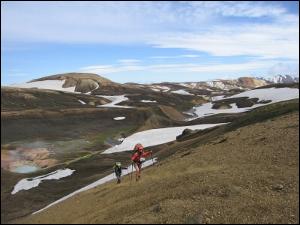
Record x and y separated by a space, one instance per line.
137 159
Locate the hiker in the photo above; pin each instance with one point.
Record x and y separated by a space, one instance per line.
118 171
138 157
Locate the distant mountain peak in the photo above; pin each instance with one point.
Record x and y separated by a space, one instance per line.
76 76
283 78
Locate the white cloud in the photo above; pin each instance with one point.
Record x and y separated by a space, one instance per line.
284 68
180 67
241 9
175 56
120 21
266 31
232 67
108 69
268 41
199 26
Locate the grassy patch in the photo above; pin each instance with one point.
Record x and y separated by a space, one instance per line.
184 106
234 181
99 139
84 157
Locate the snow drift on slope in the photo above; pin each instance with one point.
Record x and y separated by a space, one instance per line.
181 92
273 94
28 183
82 102
115 99
154 137
46 84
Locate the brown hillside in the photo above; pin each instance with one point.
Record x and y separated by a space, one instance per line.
249 175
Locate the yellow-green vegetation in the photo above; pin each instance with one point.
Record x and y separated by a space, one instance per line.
87 156
98 140
247 175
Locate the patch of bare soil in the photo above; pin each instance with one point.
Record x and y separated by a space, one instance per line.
172 113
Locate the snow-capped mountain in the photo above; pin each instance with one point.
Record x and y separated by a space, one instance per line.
283 79
240 83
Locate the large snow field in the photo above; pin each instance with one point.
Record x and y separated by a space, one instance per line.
46 84
273 94
51 85
154 137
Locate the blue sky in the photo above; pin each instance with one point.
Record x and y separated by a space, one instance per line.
149 41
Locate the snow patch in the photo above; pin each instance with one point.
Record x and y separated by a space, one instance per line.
184 85
46 84
88 93
155 89
188 85
165 88
115 99
159 88
273 94
121 139
189 113
29 183
217 84
99 182
216 98
120 118
181 92
82 102
148 101
154 137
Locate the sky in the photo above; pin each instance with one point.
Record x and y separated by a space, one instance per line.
147 42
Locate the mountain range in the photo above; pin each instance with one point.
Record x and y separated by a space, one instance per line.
88 82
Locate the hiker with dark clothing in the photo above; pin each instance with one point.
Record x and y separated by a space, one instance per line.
137 159
118 171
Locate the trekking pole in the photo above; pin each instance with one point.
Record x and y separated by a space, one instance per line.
152 158
131 172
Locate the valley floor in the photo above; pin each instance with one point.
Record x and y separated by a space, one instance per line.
249 175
